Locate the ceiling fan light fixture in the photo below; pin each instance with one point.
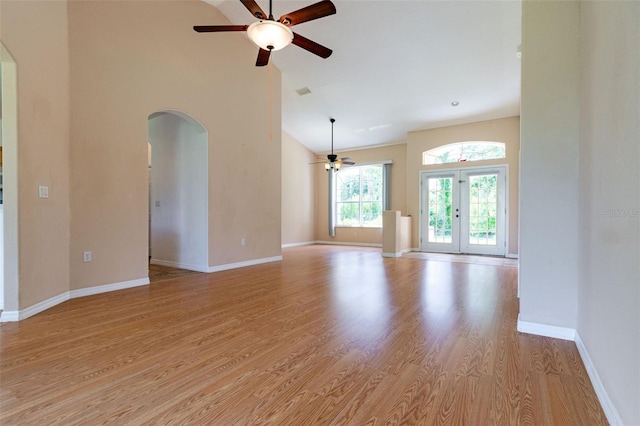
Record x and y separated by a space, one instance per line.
333 165
270 35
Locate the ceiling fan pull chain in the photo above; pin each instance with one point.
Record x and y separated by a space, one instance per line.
270 100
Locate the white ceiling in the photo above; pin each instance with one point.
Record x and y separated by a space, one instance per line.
396 67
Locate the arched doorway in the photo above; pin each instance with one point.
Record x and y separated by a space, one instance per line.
179 191
9 294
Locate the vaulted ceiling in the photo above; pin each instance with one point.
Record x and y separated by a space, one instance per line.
396 67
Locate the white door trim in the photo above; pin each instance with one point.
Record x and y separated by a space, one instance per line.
460 171
500 248
425 245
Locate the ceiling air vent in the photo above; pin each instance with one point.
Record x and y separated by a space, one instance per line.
303 91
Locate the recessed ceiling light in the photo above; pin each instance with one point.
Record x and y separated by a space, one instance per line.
455 103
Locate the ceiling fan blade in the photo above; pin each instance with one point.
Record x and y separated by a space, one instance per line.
254 9
263 57
348 163
219 28
309 13
311 46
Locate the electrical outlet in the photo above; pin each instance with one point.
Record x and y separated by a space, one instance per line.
43 191
86 256
243 242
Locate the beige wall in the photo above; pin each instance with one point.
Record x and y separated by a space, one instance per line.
505 130
549 181
580 154
609 211
298 192
398 194
130 59
35 33
88 79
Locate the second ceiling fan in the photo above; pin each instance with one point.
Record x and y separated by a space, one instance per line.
333 162
269 34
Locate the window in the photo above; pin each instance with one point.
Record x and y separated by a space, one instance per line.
360 196
460 152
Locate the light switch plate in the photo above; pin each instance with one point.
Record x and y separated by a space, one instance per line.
43 191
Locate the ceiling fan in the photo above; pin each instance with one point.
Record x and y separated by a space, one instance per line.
269 34
333 161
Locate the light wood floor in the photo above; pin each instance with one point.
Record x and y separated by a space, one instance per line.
159 273
330 335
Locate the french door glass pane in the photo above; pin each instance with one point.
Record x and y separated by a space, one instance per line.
483 199
440 210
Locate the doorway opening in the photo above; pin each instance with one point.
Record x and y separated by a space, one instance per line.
9 282
464 211
178 192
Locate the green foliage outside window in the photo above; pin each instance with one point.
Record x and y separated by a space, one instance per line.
359 194
440 214
482 200
464 151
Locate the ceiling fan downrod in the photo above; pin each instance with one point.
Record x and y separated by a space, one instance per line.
271 11
332 157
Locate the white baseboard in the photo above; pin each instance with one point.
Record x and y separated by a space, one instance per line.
571 334
398 254
304 243
512 256
563 333
219 268
343 243
88 291
607 406
9 316
12 316
391 254
187 266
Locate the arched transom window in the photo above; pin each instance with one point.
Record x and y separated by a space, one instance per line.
464 151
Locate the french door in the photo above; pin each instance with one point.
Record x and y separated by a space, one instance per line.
464 211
